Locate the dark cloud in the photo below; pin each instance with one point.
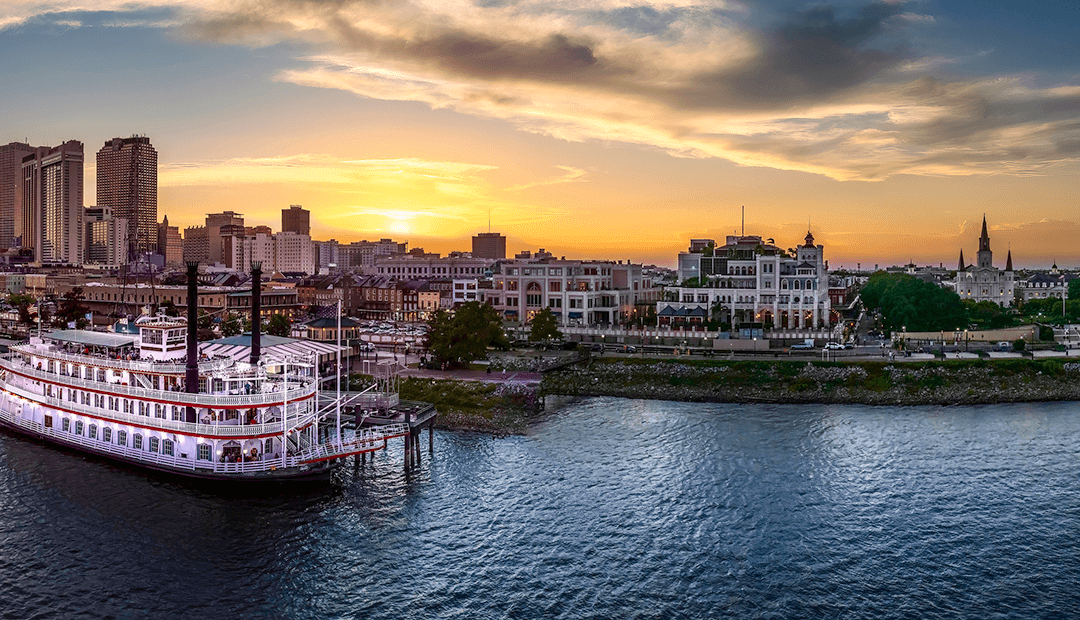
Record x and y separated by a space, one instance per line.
813 59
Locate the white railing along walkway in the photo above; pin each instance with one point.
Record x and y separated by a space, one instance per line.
105 362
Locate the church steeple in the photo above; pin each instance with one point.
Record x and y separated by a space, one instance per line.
985 257
1008 262
962 265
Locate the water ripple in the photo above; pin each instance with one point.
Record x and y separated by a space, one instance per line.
607 509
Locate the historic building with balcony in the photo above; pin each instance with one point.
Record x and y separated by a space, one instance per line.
577 292
750 280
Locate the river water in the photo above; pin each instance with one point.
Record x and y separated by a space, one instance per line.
608 508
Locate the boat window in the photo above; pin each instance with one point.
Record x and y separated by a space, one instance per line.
78 427
154 441
92 431
137 442
67 424
167 447
121 438
106 434
203 453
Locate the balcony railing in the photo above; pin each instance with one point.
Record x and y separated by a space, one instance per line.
105 362
175 426
179 398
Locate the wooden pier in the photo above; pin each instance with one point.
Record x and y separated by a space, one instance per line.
416 415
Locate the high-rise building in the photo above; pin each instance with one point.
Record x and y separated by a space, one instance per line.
127 184
219 226
296 219
170 244
11 156
105 237
489 245
52 203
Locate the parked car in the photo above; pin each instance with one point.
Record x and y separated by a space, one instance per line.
802 346
834 346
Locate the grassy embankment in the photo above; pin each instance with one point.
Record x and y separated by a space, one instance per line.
935 382
474 405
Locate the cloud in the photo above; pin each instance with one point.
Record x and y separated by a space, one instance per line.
832 90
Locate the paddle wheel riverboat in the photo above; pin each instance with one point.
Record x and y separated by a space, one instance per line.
145 400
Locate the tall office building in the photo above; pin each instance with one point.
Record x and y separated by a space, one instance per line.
127 184
489 245
296 219
52 203
11 156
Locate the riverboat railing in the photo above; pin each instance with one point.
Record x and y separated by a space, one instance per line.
369 439
177 398
175 426
105 362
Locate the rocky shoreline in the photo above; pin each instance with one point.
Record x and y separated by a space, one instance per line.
871 383
508 408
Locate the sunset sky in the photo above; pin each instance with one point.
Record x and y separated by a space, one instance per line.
601 129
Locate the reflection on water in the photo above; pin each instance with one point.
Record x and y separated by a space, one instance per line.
608 509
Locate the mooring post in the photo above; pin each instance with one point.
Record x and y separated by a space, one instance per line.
431 438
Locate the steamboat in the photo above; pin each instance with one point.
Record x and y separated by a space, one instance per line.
159 406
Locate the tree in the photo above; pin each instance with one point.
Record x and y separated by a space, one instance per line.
72 309
23 303
906 301
1074 288
544 327
459 338
169 308
280 325
231 326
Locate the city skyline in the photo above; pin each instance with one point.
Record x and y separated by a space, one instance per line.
618 130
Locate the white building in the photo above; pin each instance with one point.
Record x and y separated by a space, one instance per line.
409 267
577 292
751 280
1051 285
293 252
983 281
284 252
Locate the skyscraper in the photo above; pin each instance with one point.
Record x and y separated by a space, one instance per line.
489 245
52 203
296 219
11 156
127 184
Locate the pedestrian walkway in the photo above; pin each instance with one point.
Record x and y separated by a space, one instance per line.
474 375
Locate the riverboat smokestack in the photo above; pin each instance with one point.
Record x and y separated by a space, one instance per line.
191 382
256 311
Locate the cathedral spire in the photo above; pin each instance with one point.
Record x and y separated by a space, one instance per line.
1008 261
984 240
962 265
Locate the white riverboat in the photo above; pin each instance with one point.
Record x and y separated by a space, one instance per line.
127 397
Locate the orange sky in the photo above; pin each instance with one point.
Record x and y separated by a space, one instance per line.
612 129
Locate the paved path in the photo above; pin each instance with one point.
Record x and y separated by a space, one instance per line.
474 375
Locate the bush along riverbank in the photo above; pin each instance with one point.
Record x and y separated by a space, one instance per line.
875 383
498 408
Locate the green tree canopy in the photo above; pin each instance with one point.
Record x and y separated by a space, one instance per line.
1074 289
231 326
23 303
72 309
465 335
280 325
906 301
544 327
